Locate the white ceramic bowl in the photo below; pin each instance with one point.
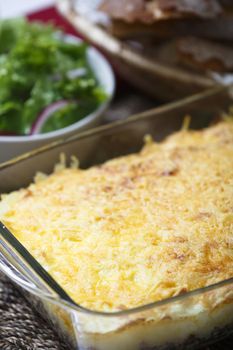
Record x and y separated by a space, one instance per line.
11 146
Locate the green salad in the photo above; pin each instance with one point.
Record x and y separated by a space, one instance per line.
44 80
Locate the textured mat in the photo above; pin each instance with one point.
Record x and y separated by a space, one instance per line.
20 326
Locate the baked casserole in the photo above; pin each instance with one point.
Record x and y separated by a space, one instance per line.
137 229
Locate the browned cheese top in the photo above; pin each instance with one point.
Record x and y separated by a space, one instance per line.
136 229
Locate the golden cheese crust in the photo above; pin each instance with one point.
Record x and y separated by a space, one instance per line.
136 229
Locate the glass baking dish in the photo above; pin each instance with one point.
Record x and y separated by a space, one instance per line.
187 321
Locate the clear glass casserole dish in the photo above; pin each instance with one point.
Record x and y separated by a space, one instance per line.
186 321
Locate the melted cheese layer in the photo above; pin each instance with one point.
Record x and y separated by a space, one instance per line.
136 229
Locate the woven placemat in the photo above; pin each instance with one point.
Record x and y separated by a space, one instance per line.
21 328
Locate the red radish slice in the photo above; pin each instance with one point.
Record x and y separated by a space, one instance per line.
46 114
